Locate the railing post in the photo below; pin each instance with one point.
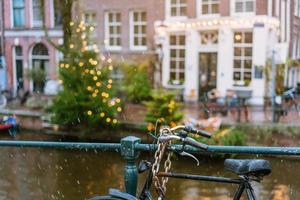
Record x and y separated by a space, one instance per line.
129 152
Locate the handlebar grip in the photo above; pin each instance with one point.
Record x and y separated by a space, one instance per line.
195 131
195 143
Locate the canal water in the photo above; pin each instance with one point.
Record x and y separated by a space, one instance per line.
32 173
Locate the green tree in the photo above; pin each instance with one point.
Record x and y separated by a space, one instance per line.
86 98
164 107
136 82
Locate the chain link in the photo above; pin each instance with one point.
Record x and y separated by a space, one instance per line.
161 185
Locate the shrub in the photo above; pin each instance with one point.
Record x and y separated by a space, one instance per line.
163 106
227 137
136 82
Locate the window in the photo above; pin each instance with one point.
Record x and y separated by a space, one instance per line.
297 8
242 71
19 67
57 13
18 13
242 6
209 37
40 60
37 18
210 7
113 30
138 25
178 8
90 20
177 59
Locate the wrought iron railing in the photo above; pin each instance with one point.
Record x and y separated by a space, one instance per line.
131 146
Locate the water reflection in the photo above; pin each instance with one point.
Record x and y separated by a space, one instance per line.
27 173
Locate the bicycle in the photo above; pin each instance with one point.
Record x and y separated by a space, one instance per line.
246 169
282 105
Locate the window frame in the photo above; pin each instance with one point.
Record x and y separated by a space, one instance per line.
200 9
244 12
93 23
107 25
177 59
168 11
12 8
242 58
36 23
133 35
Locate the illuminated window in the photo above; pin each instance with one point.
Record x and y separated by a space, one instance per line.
210 7
178 8
242 69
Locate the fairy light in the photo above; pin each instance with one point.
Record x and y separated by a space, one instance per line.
119 109
89 113
115 121
67 66
98 73
98 84
108 86
108 120
81 64
118 100
102 114
95 78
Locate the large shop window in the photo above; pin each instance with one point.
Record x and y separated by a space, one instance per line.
19 67
242 6
210 7
242 72
18 13
37 18
138 24
177 59
113 30
178 8
40 61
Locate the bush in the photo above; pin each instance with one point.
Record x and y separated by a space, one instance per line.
227 137
163 106
136 82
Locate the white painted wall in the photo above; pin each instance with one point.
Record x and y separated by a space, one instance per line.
225 59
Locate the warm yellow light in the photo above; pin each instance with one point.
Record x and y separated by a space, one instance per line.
118 100
94 94
89 112
238 37
92 72
98 84
62 65
71 46
109 60
89 88
115 121
99 73
102 114
108 120
71 23
108 86
119 109
67 66
110 67
110 81
95 78
81 64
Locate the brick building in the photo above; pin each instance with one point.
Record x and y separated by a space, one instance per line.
203 44
24 40
198 44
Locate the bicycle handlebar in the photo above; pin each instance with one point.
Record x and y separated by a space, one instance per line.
190 129
187 140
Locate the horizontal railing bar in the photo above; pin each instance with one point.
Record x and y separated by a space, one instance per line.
147 147
64 145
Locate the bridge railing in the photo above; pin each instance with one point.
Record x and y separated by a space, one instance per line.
130 148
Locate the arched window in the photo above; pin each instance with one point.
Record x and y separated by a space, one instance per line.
40 63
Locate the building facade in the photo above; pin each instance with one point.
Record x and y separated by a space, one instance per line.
2 60
25 43
225 44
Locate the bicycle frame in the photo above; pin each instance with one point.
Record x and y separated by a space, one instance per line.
243 182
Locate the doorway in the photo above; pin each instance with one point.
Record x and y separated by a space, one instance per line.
207 72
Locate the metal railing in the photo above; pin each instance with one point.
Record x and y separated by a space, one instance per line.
130 148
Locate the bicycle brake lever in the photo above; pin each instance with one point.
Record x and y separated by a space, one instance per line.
183 153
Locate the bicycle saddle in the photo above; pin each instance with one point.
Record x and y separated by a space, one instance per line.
115 194
248 167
